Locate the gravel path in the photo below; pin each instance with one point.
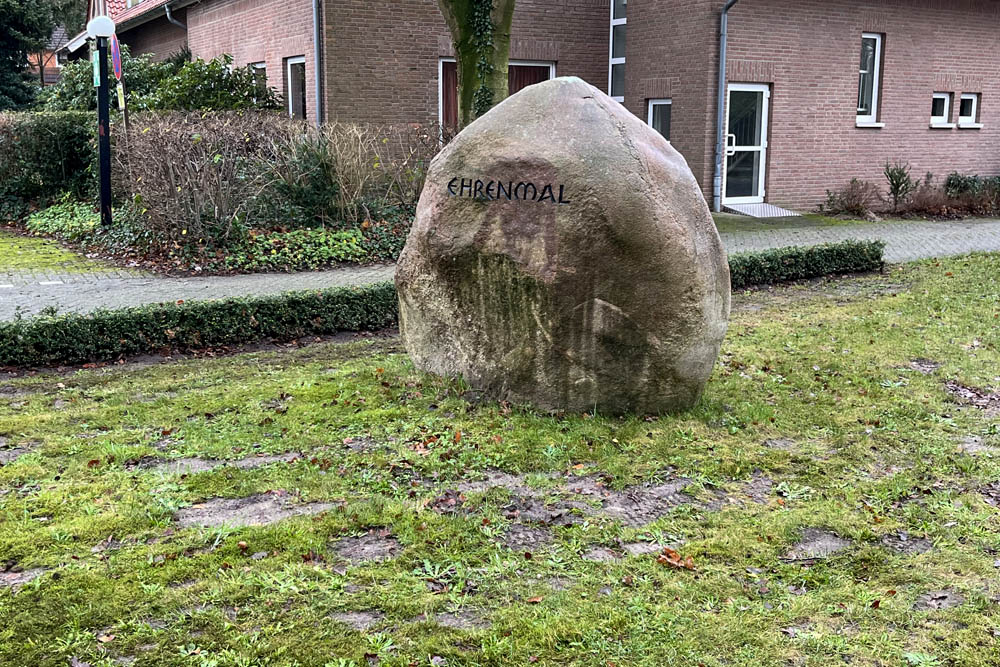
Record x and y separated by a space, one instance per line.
29 293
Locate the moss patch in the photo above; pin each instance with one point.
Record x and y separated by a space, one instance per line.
25 254
417 521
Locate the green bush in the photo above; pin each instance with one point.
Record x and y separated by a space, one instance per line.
74 91
901 184
46 155
793 263
109 335
974 193
297 250
213 85
70 220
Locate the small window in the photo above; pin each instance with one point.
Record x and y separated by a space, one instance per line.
659 117
869 77
968 109
616 61
295 88
941 109
260 74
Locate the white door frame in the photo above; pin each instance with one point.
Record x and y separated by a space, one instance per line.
762 148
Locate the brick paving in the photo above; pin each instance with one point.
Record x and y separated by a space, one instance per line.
30 293
906 241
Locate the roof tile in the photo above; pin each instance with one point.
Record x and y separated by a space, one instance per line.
120 13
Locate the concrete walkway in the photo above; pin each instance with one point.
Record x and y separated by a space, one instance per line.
28 294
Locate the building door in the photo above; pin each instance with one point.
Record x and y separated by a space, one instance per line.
746 143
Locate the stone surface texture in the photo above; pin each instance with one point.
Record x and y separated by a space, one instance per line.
617 301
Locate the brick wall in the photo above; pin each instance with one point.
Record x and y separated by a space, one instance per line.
158 37
672 52
382 55
809 51
268 31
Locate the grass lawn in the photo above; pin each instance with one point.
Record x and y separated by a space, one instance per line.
26 254
832 500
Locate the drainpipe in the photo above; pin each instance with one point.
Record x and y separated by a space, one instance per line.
318 59
170 17
720 120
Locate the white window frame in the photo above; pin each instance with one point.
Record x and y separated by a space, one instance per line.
611 49
871 120
943 122
297 60
667 101
968 122
526 63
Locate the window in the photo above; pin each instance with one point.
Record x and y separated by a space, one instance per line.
520 75
260 74
968 110
869 78
616 72
659 117
941 110
295 86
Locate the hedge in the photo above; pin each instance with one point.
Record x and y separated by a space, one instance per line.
46 155
111 334
797 263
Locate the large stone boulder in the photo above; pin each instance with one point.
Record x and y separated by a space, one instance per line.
563 256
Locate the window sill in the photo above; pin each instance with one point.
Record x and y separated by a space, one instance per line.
942 126
867 124
970 126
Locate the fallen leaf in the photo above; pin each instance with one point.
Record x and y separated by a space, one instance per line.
876 604
535 600
671 558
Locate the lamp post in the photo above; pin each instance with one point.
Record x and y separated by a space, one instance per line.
101 28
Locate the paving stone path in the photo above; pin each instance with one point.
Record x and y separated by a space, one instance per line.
30 293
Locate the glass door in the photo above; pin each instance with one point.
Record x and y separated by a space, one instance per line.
746 143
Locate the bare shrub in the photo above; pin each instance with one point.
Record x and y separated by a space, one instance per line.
198 184
194 175
344 173
857 198
931 200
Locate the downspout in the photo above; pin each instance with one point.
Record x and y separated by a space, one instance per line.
170 17
720 119
318 59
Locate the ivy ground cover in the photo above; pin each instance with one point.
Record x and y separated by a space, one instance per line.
833 499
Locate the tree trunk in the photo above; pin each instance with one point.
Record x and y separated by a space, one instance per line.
480 32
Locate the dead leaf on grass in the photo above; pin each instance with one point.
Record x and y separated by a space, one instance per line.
671 558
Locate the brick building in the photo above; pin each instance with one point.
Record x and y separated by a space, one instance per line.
816 91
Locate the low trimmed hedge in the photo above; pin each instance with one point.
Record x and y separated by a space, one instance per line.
111 334
798 263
